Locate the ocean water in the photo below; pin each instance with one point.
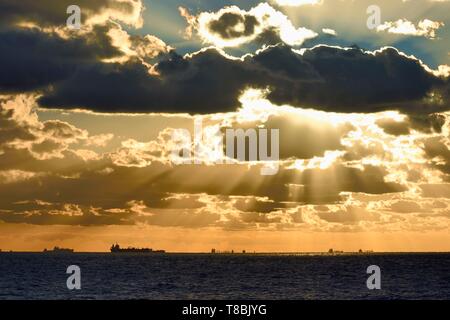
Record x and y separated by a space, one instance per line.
202 276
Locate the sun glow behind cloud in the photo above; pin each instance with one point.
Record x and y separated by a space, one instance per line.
263 18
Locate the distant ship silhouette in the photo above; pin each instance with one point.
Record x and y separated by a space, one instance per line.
58 250
115 248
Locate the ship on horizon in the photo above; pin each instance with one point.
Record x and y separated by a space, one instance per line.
115 248
58 250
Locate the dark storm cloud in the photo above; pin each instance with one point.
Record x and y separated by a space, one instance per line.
53 13
70 72
348 80
183 86
326 78
229 25
31 59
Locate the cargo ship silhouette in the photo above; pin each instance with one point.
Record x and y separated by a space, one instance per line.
115 248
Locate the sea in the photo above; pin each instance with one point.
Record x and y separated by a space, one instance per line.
107 276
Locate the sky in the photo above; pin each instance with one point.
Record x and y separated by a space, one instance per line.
358 91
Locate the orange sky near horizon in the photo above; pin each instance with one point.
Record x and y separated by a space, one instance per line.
23 237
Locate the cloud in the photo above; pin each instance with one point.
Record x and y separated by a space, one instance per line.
296 3
425 28
143 48
31 59
391 126
47 166
353 80
443 71
48 13
405 206
104 199
232 26
13 176
435 190
330 32
69 214
57 51
348 214
191 21
438 154
134 185
23 135
106 69
301 137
